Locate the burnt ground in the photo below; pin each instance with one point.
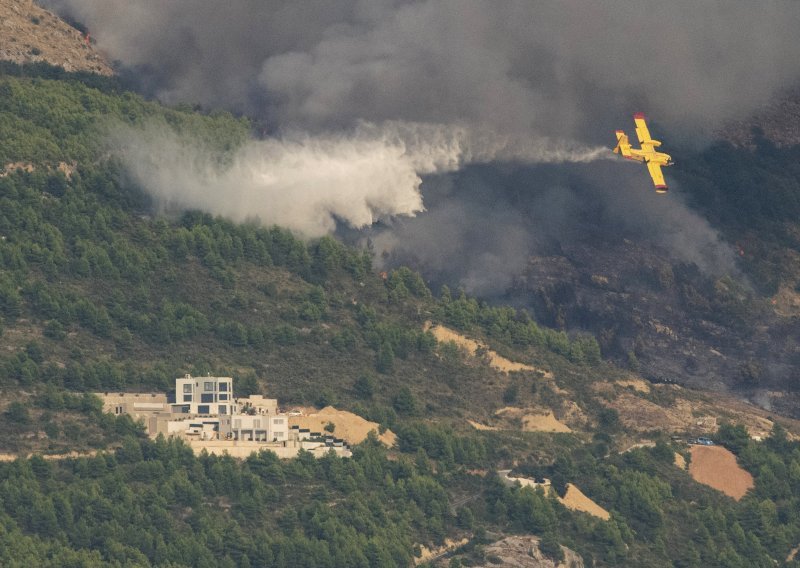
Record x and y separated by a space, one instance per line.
671 321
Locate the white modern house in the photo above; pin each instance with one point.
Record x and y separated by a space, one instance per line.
203 395
205 412
256 427
204 408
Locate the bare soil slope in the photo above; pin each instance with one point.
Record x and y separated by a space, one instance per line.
716 467
30 34
348 426
475 348
575 500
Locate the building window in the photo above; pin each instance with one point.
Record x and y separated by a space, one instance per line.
223 387
208 386
223 409
223 397
206 397
203 409
187 388
187 398
278 421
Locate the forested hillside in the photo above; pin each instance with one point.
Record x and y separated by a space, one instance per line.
101 292
97 293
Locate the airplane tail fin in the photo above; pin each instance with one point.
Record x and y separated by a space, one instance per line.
623 146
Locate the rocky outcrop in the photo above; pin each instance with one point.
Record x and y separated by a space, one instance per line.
524 552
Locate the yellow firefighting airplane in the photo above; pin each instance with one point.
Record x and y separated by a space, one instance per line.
646 154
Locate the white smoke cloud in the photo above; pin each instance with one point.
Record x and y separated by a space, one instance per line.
307 183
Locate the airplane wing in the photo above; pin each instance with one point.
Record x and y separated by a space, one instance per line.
642 132
658 176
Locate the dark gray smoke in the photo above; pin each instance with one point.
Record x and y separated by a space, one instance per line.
481 225
570 68
560 73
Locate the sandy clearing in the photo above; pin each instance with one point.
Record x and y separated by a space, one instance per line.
575 500
543 423
444 334
479 426
716 467
349 426
533 421
680 461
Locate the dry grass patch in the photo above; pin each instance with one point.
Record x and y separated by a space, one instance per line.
697 416
543 423
639 385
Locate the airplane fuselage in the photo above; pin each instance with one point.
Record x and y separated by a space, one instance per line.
659 158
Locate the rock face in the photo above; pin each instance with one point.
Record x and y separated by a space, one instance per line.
30 34
523 552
